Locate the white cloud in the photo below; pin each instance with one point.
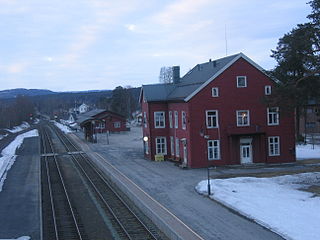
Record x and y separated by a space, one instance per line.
180 10
131 27
14 68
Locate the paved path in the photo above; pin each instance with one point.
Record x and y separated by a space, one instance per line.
174 188
19 198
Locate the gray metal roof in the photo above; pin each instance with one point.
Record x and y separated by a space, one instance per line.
189 83
88 115
157 92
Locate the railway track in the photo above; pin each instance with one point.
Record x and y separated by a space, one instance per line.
58 215
125 222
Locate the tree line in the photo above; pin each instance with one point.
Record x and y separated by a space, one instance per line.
14 112
122 100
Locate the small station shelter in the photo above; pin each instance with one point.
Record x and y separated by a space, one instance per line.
100 121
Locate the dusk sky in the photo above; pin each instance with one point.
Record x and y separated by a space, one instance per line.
71 45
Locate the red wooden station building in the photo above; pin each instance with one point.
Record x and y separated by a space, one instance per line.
215 115
100 121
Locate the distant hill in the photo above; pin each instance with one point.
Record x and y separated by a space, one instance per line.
13 93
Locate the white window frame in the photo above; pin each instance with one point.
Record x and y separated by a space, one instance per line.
170 119
161 145
177 147
241 124
160 121
273 116
176 119
117 124
183 120
215 92
145 119
245 81
274 146
213 149
146 146
172 145
210 119
267 90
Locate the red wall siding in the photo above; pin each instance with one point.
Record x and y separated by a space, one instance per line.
229 101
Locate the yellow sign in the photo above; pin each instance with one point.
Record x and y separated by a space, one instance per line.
158 158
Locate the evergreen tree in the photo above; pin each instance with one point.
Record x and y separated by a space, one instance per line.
297 56
122 101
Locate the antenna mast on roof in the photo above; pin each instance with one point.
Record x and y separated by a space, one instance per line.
225 37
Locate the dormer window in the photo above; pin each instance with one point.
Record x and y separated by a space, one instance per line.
267 90
215 92
241 81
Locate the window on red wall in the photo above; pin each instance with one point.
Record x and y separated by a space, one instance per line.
176 119
159 120
170 119
161 146
145 119
184 119
212 118
116 124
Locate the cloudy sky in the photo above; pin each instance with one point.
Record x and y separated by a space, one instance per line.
65 45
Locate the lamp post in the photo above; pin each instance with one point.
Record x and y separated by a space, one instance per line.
202 134
209 186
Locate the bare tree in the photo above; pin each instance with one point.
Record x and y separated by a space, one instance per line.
166 75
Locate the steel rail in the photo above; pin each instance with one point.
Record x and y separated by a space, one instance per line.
94 168
45 148
65 193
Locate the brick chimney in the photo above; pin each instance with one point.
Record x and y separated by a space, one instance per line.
176 74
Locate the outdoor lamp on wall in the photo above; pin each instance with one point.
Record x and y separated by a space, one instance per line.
145 139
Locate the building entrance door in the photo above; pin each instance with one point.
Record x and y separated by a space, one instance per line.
246 150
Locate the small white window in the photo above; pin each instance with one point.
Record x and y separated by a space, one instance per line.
177 147
159 119
161 146
170 119
243 118
213 149
145 119
172 145
146 147
241 81
273 116
215 92
274 146
212 118
183 120
176 119
267 90
116 124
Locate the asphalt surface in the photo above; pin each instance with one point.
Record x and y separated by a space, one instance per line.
19 198
174 188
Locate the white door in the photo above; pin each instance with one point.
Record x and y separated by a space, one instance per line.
246 153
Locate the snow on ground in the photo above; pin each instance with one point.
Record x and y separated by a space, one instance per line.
276 203
8 156
19 128
307 151
62 127
3 136
36 120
